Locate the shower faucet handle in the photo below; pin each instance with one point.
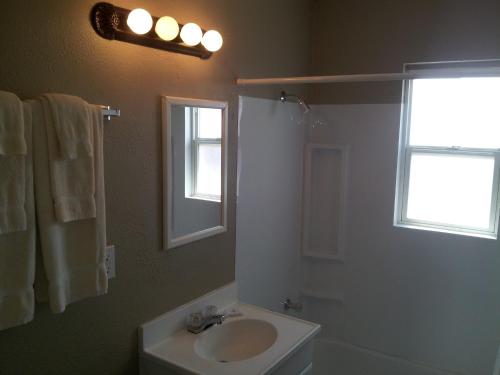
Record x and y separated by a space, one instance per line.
289 304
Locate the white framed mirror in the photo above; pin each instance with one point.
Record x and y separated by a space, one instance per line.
194 143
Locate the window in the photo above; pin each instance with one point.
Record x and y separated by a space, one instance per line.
204 162
449 154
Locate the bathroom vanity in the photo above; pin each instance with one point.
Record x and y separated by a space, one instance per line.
250 340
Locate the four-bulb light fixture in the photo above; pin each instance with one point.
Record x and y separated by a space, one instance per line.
136 27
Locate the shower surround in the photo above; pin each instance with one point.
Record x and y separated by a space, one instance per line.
399 300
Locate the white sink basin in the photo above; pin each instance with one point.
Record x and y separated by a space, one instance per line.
236 340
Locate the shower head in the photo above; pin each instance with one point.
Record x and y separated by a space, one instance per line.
284 97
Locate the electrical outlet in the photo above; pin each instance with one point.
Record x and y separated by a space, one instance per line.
110 261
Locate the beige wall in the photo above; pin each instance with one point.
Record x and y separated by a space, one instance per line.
365 36
50 46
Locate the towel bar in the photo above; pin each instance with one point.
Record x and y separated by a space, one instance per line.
109 112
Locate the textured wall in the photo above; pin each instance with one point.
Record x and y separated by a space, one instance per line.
364 36
50 46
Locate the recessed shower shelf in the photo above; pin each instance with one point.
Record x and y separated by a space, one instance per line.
327 257
337 297
324 205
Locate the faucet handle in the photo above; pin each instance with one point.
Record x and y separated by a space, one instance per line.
210 310
289 304
195 320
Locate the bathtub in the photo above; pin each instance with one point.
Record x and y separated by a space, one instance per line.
333 357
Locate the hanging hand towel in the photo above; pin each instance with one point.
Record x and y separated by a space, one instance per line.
12 164
17 252
72 178
71 121
12 140
73 252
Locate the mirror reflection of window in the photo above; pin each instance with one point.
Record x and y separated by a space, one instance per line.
195 167
203 148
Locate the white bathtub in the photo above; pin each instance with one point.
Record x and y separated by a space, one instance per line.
332 357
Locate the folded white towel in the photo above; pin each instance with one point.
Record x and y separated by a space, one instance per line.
71 121
72 179
73 252
12 164
12 140
17 254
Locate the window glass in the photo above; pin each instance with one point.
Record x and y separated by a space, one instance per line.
208 178
463 112
451 189
209 123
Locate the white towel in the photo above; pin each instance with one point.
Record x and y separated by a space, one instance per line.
73 252
12 140
12 164
71 120
12 193
17 254
72 179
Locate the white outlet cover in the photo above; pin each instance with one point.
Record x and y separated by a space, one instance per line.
110 261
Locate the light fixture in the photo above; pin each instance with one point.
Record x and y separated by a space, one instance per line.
212 40
140 21
115 23
167 28
191 34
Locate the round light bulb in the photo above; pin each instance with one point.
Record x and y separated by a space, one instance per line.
212 40
167 28
191 34
140 21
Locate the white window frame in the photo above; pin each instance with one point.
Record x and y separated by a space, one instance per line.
405 152
195 144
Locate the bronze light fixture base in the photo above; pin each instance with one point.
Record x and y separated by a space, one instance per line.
110 22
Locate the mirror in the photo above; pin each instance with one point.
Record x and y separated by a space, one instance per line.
194 169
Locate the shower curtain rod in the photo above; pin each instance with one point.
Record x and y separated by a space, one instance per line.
380 77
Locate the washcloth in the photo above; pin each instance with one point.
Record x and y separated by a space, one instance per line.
73 252
17 253
72 179
71 121
12 140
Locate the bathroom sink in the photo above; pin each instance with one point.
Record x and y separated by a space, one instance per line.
235 340
254 342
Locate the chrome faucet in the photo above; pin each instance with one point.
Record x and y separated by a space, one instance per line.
289 304
199 322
